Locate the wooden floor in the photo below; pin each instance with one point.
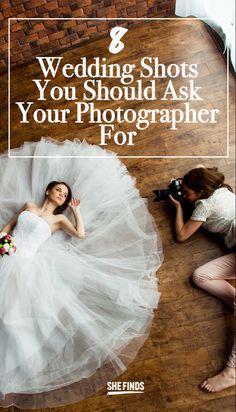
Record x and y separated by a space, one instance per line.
192 331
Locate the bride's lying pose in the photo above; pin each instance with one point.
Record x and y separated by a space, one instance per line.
58 197
73 312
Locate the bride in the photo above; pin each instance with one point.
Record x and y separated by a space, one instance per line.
57 197
74 309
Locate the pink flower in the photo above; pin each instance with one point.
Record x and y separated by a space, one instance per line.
6 247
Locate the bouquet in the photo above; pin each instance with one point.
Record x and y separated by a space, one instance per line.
7 244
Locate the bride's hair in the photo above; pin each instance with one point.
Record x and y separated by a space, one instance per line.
62 208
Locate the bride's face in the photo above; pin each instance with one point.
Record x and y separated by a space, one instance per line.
58 194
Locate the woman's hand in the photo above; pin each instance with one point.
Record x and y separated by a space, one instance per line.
74 204
183 230
174 201
77 229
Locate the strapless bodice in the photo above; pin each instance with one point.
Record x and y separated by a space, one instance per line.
74 314
30 232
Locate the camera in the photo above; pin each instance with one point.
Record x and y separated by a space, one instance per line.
175 189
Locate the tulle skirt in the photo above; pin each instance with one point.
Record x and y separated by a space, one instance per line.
74 315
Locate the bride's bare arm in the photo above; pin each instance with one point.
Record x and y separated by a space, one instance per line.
65 224
11 224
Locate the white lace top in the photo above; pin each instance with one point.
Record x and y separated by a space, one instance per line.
218 214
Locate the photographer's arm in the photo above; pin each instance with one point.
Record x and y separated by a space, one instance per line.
183 230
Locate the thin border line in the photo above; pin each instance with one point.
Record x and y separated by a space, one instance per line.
122 157
118 18
122 392
227 97
117 156
9 89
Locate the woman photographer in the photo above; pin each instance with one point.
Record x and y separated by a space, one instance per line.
214 209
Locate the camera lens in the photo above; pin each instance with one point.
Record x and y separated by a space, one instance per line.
161 194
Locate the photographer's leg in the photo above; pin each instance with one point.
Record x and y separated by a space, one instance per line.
212 277
225 378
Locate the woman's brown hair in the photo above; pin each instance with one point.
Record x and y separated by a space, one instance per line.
62 208
205 181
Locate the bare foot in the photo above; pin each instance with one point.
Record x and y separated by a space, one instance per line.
223 380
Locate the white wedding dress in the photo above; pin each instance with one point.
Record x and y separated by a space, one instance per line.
73 313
